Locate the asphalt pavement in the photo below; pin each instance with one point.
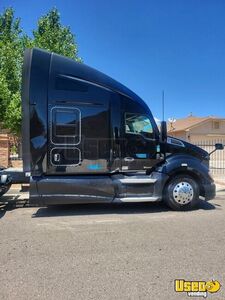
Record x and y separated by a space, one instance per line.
132 251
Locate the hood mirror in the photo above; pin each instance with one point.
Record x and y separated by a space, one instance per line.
219 146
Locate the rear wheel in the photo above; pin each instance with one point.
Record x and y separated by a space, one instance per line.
4 190
182 193
5 185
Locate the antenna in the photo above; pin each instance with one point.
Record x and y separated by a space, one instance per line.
163 106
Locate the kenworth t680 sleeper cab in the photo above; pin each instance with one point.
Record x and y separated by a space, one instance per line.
89 139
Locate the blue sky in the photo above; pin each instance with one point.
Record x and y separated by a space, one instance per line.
175 45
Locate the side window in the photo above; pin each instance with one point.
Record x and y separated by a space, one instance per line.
65 125
138 124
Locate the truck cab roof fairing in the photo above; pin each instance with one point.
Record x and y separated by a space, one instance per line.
68 67
65 67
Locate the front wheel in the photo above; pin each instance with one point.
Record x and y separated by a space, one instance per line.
182 193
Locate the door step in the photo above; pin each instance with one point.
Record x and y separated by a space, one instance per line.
137 180
135 188
136 199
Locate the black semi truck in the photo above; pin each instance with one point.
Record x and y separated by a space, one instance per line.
89 139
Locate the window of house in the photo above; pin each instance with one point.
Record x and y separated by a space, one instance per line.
138 124
216 125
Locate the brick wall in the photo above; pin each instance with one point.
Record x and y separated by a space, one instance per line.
4 150
16 163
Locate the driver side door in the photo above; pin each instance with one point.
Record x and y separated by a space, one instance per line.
139 149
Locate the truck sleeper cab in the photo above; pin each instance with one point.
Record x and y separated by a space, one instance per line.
89 139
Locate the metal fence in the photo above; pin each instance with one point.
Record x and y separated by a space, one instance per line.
217 159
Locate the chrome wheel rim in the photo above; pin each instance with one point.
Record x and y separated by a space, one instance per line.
183 193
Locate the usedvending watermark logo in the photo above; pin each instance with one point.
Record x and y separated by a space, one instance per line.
196 288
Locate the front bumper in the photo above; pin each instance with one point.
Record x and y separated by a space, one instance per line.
209 191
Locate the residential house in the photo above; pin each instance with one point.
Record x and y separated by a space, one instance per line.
197 129
202 131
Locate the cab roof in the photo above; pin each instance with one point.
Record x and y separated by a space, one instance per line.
84 72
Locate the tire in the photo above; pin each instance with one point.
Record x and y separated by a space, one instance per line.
182 193
4 187
4 190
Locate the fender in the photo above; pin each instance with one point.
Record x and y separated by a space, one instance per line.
183 163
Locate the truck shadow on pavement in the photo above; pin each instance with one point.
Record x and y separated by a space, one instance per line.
8 204
2 210
103 209
4 207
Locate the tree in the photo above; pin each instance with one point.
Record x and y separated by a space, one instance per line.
4 96
10 49
53 36
50 35
11 57
13 116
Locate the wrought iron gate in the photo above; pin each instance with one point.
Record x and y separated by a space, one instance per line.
217 159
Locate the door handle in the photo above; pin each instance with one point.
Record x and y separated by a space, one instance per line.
56 157
129 159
